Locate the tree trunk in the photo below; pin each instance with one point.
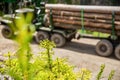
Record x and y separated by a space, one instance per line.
93 18
95 9
86 15
85 19
86 23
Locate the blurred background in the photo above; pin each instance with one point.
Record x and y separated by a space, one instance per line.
90 2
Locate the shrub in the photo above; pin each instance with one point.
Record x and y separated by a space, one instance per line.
24 65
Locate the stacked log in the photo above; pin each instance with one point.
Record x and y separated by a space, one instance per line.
94 18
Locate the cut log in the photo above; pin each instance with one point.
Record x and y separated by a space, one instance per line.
85 19
86 15
96 18
95 9
86 23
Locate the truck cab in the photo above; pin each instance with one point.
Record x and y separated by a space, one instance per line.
43 31
9 19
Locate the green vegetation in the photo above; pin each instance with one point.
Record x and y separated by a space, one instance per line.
111 75
101 72
88 2
24 65
99 75
41 67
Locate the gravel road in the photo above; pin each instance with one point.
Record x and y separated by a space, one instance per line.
80 53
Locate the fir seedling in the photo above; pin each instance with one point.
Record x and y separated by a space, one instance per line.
111 75
100 72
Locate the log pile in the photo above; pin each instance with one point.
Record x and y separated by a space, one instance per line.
94 18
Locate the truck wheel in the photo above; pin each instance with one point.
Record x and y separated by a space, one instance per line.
117 52
104 48
58 39
41 35
7 32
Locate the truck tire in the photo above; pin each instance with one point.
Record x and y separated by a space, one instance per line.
117 52
58 39
104 48
7 32
41 35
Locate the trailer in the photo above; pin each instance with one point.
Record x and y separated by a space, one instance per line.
105 19
60 23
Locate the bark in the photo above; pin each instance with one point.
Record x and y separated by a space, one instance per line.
85 19
86 23
96 18
86 15
96 9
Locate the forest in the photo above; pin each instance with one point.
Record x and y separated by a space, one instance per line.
89 2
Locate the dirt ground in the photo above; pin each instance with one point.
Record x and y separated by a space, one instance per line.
80 53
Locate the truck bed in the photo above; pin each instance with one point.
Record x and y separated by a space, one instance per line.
94 18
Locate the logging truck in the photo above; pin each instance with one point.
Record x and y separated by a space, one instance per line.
60 23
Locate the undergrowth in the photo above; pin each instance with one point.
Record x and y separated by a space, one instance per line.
25 65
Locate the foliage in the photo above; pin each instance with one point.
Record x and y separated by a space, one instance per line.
52 1
111 75
88 2
85 74
1 13
23 65
101 72
60 1
42 67
99 75
68 1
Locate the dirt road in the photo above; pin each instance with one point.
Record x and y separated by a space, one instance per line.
80 53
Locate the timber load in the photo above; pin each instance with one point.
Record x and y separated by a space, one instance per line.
94 18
